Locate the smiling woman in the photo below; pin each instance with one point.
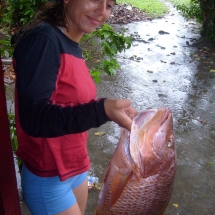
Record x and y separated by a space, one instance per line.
56 104
85 16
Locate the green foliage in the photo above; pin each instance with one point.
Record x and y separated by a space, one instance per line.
19 11
105 43
24 10
13 135
191 10
6 16
16 12
5 47
203 12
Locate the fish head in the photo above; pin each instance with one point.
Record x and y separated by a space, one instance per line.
152 145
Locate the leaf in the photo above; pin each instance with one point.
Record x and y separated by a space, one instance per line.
100 133
103 44
27 12
95 74
149 71
212 70
211 163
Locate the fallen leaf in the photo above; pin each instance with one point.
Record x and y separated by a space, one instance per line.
162 61
210 163
212 70
202 120
98 186
149 71
175 205
100 133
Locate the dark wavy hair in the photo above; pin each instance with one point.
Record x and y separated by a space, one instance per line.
52 12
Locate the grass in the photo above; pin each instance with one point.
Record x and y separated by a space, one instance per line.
180 2
153 8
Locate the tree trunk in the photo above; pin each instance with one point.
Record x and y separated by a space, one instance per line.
208 13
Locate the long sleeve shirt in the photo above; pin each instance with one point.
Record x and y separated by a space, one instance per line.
55 103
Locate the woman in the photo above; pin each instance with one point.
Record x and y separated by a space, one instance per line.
56 105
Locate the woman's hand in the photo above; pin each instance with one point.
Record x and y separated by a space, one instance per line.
120 111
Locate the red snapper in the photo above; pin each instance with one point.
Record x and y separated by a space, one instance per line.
140 175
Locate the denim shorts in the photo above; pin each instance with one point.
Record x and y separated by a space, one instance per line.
49 195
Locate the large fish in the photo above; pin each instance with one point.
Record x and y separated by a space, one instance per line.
140 175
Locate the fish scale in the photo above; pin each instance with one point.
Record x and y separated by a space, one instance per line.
143 193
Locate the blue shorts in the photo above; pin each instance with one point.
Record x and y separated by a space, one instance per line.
49 195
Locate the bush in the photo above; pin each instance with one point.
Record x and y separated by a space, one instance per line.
106 43
191 10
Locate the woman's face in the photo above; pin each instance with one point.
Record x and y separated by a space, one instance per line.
84 16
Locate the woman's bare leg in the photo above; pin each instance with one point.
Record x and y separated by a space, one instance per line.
74 210
81 194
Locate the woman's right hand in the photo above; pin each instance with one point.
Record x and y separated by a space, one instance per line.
120 111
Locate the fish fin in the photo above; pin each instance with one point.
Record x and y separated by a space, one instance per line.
119 182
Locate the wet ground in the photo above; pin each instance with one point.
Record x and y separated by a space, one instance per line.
163 68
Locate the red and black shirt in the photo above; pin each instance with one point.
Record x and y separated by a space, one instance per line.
55 103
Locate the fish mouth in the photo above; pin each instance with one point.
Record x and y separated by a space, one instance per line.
151 139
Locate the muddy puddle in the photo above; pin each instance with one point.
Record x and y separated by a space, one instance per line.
163 68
